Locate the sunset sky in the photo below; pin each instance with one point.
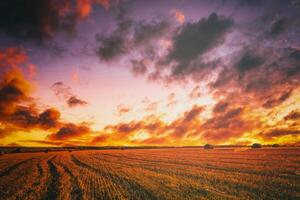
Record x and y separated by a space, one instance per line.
159 73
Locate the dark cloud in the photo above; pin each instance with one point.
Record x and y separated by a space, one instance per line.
253 3
224 120
139 67
295 54
220 107
274 101
116 44
195 39
34 19
279 133
113 46
249 61
129 36
27 118
49 118
144 32
278 27
74 101
64 92
39 20
294 115
69 131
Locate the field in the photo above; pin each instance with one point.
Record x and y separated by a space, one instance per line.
174 173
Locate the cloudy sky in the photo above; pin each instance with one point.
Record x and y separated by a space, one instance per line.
138 72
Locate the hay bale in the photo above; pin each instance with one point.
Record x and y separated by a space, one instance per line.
208 146
256 146
46 150
1 153
70 150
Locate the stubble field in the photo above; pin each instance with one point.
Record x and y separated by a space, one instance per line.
175 173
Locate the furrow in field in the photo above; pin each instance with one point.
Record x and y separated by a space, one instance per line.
94 182
25 181
53 185
133 188
76 191
10 169
165 186
224 181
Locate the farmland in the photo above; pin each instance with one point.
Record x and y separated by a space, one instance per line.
173 173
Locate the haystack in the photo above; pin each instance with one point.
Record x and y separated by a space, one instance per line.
256 146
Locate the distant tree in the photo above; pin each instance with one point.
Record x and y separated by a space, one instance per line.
256 146
275 145
46 150
208 146
17 150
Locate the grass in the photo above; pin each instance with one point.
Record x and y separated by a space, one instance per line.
170 173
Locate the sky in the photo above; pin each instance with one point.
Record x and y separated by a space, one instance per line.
149 73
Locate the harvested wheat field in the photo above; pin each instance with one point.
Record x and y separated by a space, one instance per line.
174 173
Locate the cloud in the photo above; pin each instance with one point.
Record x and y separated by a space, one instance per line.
130 35
293 115
123 109
139 67
17 108
99 139
13 90
145 32
278 27
12 57
279 133
195 39
49 118
249 61
274 101
195 93
220 107
36 20
116 44
84 7
64 92
69 131
186 123
74 101
179 16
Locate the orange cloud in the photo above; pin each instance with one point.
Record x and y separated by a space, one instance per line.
179 16
17 110
123 109
13 90
12 57
99 139
84 7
